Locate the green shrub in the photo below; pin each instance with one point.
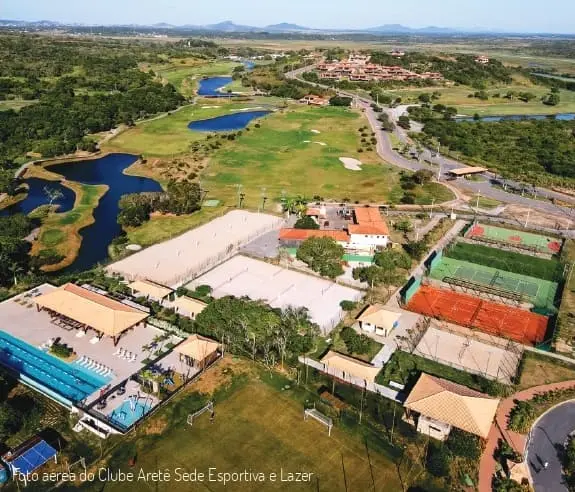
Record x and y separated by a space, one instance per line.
348 305
463 444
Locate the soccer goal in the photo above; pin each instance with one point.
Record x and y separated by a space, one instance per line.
320 417
208 407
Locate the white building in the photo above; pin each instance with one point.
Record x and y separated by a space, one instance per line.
378 319
370 231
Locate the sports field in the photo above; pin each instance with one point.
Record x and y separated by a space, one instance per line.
490 317
528 240
540 292
259 429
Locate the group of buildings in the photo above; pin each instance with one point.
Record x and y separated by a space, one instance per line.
357 68
366 231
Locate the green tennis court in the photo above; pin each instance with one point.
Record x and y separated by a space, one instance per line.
545 244
540 292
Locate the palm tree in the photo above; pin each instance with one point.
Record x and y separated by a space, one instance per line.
15 269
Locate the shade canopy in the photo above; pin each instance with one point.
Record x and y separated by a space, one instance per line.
91 309
350 366
197 347
151 289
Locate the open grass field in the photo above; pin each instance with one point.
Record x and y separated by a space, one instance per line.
257 428
170 135
540 369
163 227
15 105
458 96
285 156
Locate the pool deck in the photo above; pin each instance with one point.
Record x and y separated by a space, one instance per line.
20 318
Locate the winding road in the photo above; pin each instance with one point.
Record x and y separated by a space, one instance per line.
545 444
485 188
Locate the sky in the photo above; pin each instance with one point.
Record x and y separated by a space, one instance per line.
503 15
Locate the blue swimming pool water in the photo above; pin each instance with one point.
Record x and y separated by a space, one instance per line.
227 122
69 383
124 416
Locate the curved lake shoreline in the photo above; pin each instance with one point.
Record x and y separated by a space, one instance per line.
227 122
517 117
105 170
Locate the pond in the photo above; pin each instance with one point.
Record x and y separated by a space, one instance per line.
228 122
106 170
37 196
519 117
210 86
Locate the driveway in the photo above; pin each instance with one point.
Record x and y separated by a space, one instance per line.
547 437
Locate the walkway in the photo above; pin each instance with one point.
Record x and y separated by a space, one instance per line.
498 431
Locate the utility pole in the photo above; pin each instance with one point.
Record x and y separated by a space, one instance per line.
239 187
478 196
527 220
431 210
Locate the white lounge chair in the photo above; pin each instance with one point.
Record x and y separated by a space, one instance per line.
80 334
133 358
94 340
117 352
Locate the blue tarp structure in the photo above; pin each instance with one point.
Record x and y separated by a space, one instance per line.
31 458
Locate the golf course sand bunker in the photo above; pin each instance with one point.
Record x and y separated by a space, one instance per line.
211 107
323 144
315 131
351 163
249 109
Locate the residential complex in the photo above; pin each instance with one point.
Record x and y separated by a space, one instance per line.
358 69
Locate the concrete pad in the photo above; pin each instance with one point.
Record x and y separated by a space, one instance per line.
279 287
468 354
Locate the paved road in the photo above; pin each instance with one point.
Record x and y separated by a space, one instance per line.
486 188
549 434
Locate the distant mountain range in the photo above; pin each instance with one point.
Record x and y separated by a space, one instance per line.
231 27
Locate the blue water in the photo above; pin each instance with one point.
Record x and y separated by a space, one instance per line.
228 122
124 416
37 196
109 171
210 86
518 117
69 381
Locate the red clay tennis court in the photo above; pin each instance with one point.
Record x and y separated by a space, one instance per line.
528 240
490 317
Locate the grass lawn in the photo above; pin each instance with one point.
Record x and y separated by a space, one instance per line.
15 105
257 428
485 202
163 227
458 96
540 369
284 155
170 135
236 86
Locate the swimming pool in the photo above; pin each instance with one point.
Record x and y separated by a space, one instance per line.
124 416
68 383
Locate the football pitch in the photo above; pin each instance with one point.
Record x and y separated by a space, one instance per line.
259 429
540 292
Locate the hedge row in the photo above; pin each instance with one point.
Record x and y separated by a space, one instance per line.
508 261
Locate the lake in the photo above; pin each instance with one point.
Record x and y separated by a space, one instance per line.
37 196
227 122
519 117
106 170
210 86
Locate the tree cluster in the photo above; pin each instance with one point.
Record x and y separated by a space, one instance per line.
527 148
323 255
180 197
253 328
14 259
